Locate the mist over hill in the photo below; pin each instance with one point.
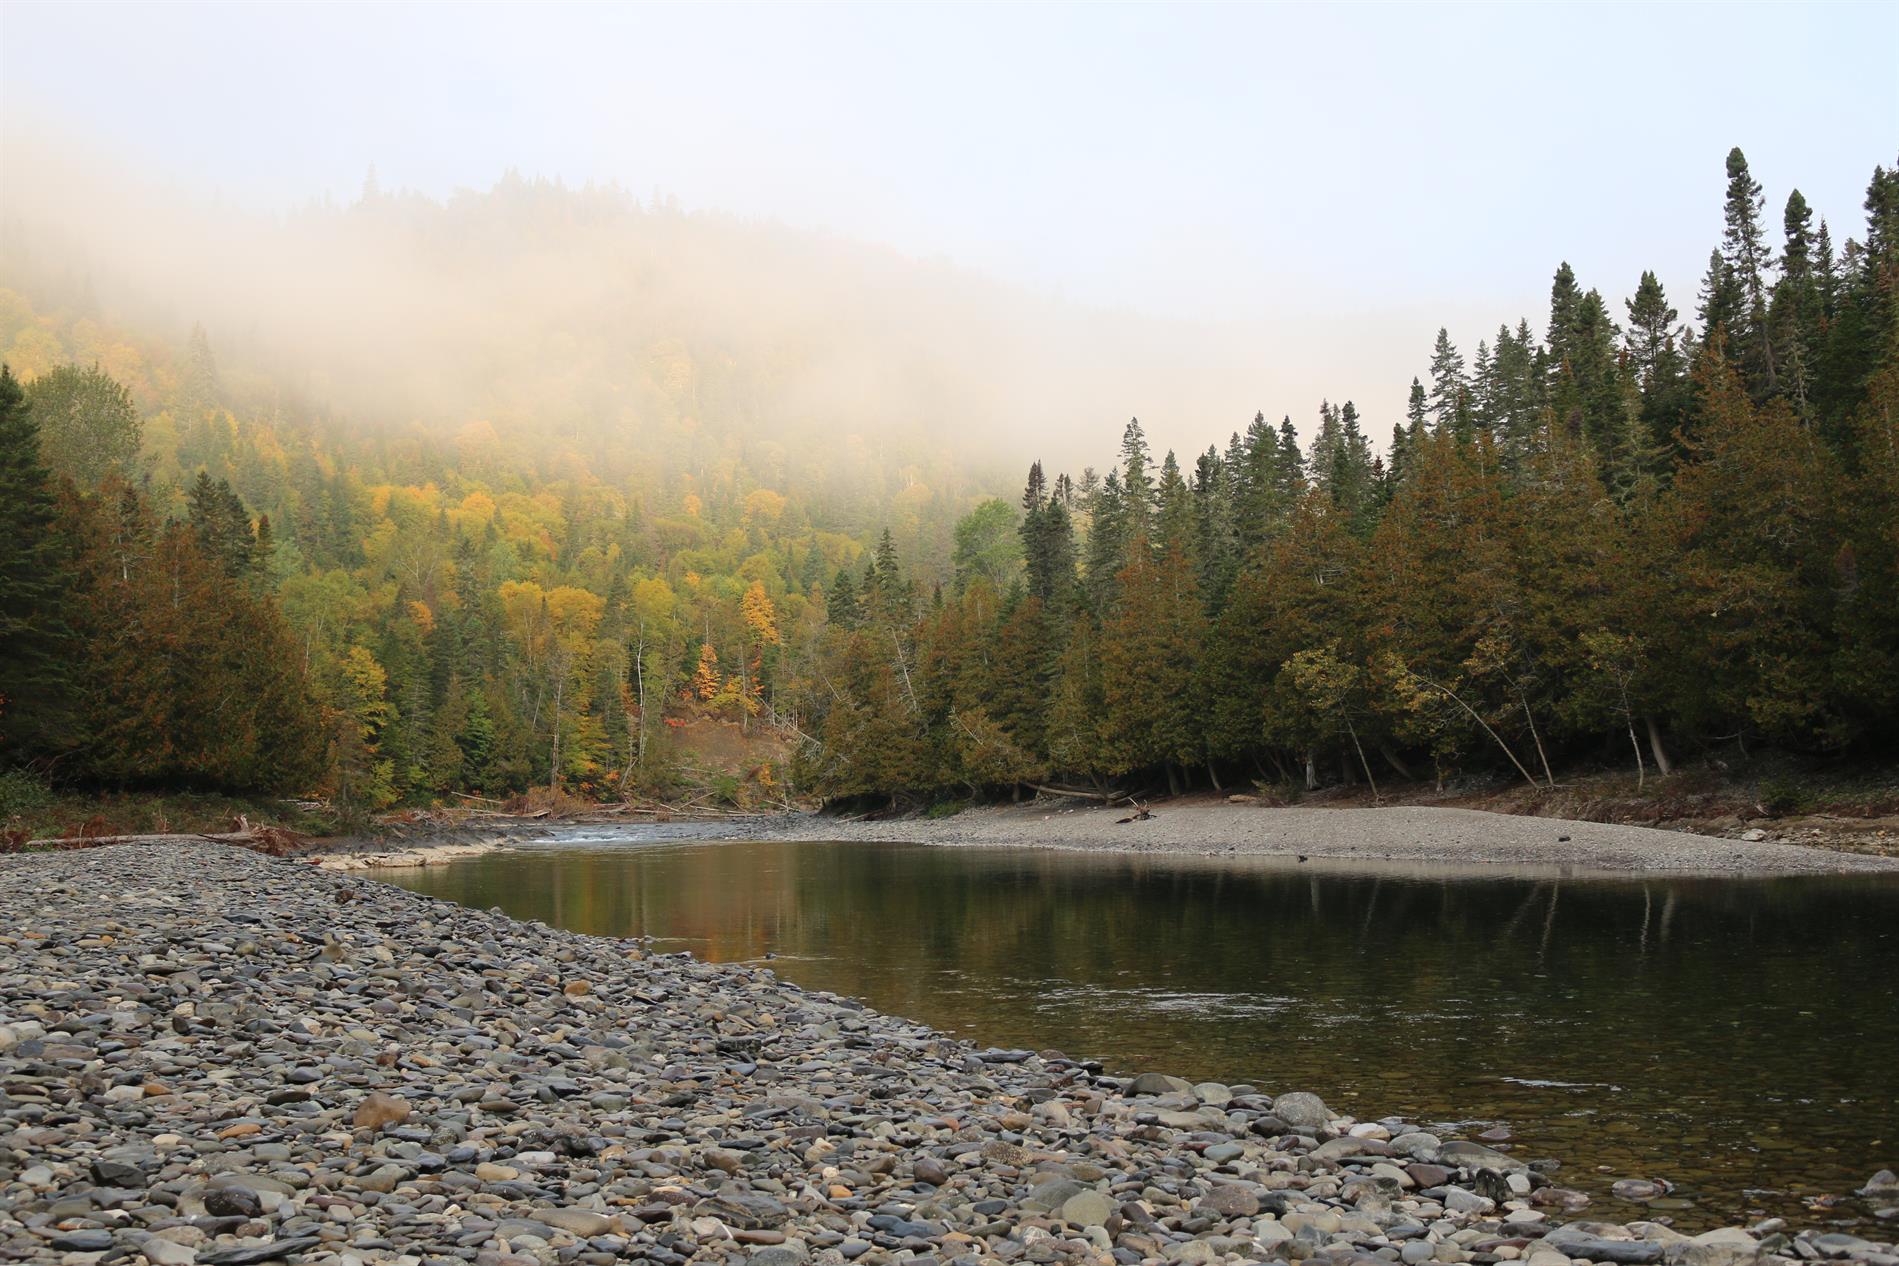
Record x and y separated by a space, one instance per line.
595 313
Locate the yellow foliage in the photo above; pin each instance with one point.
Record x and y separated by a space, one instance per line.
34 352
761 617
705 678
476 510
763 505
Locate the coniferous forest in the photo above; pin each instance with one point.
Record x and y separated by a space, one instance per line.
1636 528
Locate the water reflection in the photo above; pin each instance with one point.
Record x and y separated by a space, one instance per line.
1740 1038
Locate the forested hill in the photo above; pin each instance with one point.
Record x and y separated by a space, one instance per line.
1629 537
229 562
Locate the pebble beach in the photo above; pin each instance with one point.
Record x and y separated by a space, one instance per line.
212 1056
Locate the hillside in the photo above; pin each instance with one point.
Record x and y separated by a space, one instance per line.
486 496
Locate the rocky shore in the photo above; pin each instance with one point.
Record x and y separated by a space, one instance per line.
209 1056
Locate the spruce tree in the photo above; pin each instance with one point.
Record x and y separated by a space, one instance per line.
1723 301
1565 298
1655 357
1352 481
1450 390
1745 251
1794 308
1484 390
1292 466
34 669
1258 487
1137 482
840 604
1325 446
1108 537
1174 509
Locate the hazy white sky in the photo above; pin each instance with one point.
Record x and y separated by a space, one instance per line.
1365 172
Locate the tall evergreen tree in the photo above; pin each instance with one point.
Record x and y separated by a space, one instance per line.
1108 539
1137 482
1656 360
1565 298
1745 251
35 668
841 607
1450 390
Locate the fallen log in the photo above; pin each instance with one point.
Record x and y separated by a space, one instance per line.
1106 797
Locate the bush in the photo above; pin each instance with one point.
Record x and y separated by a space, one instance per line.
1286 791
22 793
726 790
1782 795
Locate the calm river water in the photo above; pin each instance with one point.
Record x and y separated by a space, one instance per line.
1737 1037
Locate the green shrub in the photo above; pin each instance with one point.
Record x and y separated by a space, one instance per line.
1782 795
22 793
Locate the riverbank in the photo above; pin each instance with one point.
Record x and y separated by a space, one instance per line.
211 1056
1397 833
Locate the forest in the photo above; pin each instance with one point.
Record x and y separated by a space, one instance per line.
1633 539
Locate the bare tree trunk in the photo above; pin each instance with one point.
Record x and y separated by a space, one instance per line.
1213 775
553 772
1448 693
636 738
1391 758
1312 771
1540 753
908 689
1361 759
1656 749
1641 770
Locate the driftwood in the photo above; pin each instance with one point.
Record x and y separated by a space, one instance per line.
1106 797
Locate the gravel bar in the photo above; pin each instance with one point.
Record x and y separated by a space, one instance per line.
209 1056
1408 833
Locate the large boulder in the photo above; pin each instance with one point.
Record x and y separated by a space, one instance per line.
1302 1110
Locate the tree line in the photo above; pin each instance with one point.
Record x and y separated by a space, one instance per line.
1619 542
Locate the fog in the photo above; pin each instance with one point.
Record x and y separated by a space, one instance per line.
531 300
1001 232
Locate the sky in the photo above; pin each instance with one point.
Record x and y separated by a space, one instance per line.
1342 179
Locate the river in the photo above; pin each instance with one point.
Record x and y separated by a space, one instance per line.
1736 1037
